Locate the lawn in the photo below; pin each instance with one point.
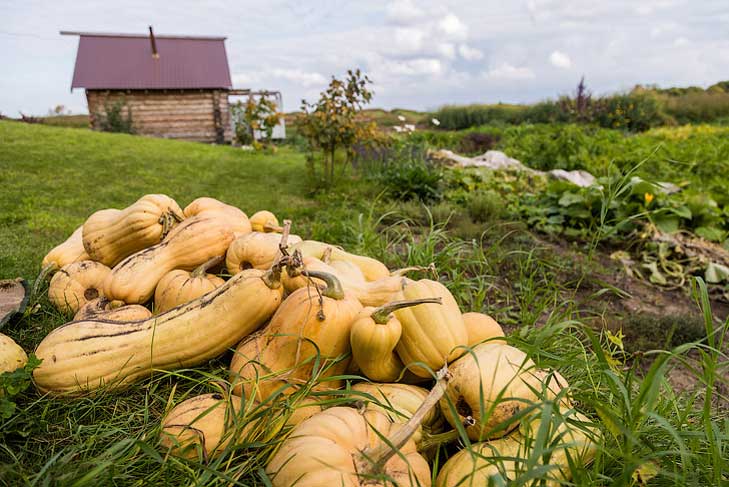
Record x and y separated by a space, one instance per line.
544 292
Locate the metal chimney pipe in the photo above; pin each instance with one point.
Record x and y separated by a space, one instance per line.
155 54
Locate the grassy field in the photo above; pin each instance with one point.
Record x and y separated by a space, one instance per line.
53 178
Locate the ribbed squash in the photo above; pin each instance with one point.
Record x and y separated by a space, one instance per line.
372 269
265 221
235 217
76 284
102 308
481 327
12 356
68 252
496 462
345 447
85 355
433 334
192 243
509 382
201 427
302 329
179 287
399 402
255 250
374 336
369 293
111 235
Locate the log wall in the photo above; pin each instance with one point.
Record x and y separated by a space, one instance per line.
197 115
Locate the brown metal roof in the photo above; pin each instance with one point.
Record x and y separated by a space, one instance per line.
125 61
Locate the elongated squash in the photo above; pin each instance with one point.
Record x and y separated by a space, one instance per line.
372 269
235 217
111 235
192 243
85 355
374 336
255 250
179 287
302 330
369 293
76 284
433 334
68 252
103 309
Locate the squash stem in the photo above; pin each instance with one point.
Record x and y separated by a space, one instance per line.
271 228
200 271
334 288
42 276
430 441
405 270
380 315
372 460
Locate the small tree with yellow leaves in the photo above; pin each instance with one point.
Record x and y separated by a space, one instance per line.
331 125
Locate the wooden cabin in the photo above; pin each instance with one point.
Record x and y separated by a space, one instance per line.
173 87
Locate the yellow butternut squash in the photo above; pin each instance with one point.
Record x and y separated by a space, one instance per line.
481 327
68 252
265 221
85 355
12 355
76 284
111 235
192 243
235 217
102 308
374 336
432 334
372 269
255 250
179 287
303 329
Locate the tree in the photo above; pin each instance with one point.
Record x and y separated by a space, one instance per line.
331 123
257 117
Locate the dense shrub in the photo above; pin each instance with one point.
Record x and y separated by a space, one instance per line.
114 118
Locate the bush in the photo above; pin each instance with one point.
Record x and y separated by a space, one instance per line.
413 180
633 112
486 206
477 142
113 118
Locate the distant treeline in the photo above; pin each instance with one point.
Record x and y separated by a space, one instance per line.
642 108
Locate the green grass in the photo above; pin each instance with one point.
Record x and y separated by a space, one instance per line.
53 178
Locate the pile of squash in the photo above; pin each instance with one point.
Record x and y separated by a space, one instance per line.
155 287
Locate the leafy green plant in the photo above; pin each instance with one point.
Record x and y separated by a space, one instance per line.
113 119
12 384
331 123
258 116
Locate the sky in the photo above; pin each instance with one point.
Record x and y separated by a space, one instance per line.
419 54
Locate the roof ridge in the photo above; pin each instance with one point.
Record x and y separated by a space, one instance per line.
158 36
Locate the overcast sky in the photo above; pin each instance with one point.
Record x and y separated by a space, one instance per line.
420 54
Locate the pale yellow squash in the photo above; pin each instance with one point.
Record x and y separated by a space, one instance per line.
76 284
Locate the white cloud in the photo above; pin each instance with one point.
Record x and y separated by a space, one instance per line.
409 39
403 12
447 50
452 27
506 71
244 80
299 77
416 67
681 41
469 53
560 60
